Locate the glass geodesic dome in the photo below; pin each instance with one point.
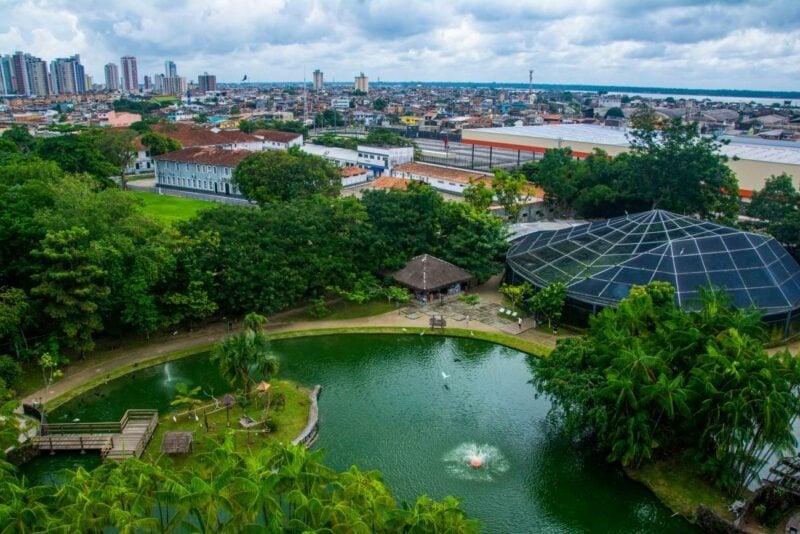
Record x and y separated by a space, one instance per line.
600 261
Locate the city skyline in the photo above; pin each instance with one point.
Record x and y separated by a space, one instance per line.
737 44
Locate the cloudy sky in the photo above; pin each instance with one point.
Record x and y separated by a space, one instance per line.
742 44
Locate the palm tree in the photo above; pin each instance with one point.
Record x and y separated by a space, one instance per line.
186 397
238 355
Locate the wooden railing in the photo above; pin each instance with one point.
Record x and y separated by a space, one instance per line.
80 428
148 433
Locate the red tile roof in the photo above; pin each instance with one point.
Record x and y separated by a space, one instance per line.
277 136
189 135
387 182
206 155
351 171
432 171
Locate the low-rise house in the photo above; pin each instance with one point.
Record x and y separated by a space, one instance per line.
381 160
117 119
441 178
354 176
201 169
276 140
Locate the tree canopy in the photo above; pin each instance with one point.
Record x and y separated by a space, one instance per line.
650 379
280 176
674 168
275 489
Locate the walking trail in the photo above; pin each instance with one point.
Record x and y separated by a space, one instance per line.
104 361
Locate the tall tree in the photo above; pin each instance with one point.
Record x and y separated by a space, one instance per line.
678 169
512 192
777 208
280 176
71 285
478 195
238 355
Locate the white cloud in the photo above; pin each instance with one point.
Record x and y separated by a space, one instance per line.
689 43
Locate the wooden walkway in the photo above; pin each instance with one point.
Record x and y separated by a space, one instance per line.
115 441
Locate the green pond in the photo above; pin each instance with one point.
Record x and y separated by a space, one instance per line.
418 408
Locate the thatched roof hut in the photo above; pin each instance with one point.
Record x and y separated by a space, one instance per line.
177 442
426 273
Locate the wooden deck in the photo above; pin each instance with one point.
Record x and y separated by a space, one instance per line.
115 441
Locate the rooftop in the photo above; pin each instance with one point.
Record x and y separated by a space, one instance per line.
189 135
206 155
445 173
603 135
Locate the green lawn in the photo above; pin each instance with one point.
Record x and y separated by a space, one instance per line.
681 488
171 209
287 422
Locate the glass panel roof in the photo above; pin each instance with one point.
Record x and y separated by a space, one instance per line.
599 262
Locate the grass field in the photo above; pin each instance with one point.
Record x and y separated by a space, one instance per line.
171 209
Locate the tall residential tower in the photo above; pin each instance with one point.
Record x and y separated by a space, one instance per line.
130 74
112 77
319 81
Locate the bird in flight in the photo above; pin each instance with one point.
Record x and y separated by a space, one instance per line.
445 376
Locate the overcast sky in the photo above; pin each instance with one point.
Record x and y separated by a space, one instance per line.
741 44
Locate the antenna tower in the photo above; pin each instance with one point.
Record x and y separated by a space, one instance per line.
530 83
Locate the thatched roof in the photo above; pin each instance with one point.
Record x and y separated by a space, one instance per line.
428 273
177 442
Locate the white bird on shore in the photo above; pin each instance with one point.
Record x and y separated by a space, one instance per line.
422 333
174 419
76 420
445 376
405 329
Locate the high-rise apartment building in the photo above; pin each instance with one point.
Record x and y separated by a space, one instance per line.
148 83
7 82
319 82
38 80
170 69
362 83
169 85
22 85
130 74
67 76
206 82
112 77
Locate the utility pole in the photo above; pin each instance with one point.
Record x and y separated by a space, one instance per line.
305 97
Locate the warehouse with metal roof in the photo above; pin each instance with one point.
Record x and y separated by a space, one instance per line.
753 161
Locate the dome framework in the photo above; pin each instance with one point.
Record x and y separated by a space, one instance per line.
599 262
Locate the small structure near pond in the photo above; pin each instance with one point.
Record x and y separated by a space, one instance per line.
177 443
432 279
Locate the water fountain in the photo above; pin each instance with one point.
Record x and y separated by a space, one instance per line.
470 461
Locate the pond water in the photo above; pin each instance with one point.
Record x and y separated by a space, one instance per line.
419 408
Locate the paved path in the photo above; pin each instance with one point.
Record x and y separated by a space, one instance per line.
105 361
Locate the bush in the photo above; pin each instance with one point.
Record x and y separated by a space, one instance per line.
10 370
318 308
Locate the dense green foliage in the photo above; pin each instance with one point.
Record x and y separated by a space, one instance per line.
143 107
777 210
649 378
674 168
329 139
158 144
386 137
241 354
79 261
417 221
283 175
276 489
250 126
